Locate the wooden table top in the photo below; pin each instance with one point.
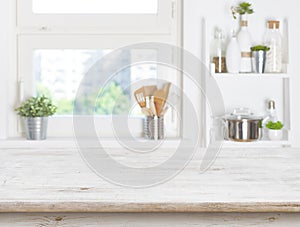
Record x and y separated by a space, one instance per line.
240 180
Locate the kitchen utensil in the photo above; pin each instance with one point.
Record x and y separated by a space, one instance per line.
242 128
167 89
163 112
147 98
152 105
140 97
159 100
147 111
149 90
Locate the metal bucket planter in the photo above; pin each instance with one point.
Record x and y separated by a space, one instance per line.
35 127
259 61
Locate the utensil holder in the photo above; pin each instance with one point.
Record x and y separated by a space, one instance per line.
154 127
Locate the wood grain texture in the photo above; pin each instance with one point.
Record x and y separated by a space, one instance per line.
240 180
161 220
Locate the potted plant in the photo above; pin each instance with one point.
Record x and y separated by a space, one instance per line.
260 48
274 130
34 113
259 55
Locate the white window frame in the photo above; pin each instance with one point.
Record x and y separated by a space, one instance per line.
127 23
167 28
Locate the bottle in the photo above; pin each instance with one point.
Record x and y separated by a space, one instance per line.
245 42
271 114
274 41
233 55
218 52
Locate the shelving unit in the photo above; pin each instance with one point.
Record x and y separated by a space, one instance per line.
257 144
259 90
261 143
251 75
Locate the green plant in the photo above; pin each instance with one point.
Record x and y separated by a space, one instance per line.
242 8
113 100
274 125
260 47
36 107
260 124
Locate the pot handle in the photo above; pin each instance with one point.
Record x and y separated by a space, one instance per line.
225 129
214 132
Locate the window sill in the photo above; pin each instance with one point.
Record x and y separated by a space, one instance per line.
105 142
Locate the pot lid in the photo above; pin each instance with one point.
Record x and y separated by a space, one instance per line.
242 117
242 114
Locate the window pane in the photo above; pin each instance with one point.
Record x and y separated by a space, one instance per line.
58 74
95 6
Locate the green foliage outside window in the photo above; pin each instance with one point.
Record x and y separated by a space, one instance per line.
113 100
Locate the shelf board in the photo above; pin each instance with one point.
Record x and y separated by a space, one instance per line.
260 143
251 75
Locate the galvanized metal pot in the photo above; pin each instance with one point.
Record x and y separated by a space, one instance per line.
35 127
259 61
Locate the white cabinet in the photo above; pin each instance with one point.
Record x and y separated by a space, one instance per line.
249 90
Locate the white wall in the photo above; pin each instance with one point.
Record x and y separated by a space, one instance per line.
194 11
217 13
4 62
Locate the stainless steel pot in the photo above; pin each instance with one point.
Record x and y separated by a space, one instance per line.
242 128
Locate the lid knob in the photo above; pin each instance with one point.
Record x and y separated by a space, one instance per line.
271 105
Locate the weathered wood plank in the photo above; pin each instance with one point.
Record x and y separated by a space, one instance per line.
162 220
240 180
121 207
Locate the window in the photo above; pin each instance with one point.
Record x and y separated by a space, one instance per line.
58 42
94 6
144 16
58 73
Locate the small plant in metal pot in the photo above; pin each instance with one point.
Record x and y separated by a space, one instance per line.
260 48
34 113
259 56
274 130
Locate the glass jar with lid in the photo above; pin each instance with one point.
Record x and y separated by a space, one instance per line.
274 41
217 53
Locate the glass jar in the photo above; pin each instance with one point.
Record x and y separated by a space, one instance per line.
217 54
274 41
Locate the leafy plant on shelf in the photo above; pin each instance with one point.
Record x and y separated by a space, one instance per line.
260 48
274 125
36 107
241 9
